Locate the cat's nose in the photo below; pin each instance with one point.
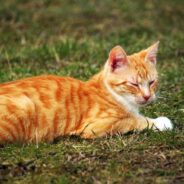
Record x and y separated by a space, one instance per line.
147 97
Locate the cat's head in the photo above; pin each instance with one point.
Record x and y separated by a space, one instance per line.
132 78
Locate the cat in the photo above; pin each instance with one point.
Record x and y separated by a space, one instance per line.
42 108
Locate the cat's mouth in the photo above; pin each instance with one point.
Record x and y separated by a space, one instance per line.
142 103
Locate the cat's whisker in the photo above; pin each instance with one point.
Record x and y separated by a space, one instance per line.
161 97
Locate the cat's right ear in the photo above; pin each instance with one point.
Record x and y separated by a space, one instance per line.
117 58
151 53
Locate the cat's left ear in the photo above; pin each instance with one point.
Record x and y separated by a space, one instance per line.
117 58
151 53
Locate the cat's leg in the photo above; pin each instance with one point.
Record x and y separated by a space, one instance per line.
101 127
140 123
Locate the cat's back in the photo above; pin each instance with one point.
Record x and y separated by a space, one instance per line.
39 84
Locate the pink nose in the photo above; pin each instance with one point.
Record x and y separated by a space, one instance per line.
146 97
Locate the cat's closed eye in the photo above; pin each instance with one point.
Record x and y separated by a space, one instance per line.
134 84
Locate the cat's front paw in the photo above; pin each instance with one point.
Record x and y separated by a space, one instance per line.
163 123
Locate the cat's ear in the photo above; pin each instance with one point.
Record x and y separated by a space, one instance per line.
151 53
117 58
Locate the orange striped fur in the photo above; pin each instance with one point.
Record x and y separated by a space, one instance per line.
42 108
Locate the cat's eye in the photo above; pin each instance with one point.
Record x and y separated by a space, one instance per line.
134 84
151 82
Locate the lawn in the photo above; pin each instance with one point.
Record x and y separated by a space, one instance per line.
73 38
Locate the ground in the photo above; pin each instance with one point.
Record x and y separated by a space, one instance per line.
73 38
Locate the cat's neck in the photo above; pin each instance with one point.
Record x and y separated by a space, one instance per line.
98 81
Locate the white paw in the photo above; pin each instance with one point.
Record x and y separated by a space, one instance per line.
163 123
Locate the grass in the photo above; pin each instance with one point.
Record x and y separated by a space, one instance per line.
73 38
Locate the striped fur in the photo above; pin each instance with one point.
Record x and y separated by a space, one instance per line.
42 108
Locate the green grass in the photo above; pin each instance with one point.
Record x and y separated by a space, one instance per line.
73 38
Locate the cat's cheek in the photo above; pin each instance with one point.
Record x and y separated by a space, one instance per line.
131 99
152 99
140 101
162 123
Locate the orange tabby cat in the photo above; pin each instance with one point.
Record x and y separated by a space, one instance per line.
42 108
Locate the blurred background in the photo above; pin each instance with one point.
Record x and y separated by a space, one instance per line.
74 37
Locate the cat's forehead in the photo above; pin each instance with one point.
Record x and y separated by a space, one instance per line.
142 69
